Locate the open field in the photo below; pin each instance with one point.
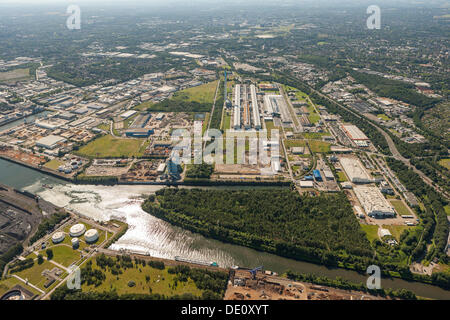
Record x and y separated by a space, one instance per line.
161 282
15 75
294 143
203 94
396 231
445 163
371 231
110 147
400 207
341 176
54 164
34 274
315 135
63 254
447 209
319 146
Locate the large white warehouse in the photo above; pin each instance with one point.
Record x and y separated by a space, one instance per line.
374 203
237 108
354 170
255 108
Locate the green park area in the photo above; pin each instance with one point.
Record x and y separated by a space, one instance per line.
315 135
384 117
34 274
396 231
110 147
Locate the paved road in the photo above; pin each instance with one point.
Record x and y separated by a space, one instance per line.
392 147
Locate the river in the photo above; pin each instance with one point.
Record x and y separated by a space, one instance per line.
148 234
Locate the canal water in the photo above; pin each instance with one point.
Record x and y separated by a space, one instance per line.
26 119
148 234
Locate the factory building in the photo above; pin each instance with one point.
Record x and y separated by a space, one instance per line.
139 132
354 133
50 142
354 170
128 114
374 203
237 108
255 108
317 175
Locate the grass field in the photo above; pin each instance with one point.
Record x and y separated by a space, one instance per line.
400 207
294 143
9 283
15 75
203 94
447 209
384 117
54 164
315 135
319 146
445 163
396 231
110 147
63 254
341 176
160 282
371 231
34 274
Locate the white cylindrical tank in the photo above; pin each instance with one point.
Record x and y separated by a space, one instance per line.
77 230
91 236
75 243
58 237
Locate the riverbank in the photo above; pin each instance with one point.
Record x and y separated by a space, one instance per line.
107 182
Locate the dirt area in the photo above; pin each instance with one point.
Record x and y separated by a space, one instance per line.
22 156
108 168
243 286
143 171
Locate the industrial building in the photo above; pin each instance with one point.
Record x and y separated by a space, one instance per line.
128 114
58 237
255 108
237 108
317 175
354 170
50 142
354 133
374 203
139 132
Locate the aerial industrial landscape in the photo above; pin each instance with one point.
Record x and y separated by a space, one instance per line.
185 153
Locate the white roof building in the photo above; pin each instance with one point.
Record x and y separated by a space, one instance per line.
354 170
50 142
354 132
374 203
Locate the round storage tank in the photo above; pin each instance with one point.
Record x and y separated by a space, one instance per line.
75 243
58 237
91 236
77 230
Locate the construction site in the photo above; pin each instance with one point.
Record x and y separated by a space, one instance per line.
260 284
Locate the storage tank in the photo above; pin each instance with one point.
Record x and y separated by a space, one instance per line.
91 236
58 237
77 230
75 243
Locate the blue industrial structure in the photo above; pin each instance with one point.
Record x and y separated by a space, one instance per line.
317 175
309 178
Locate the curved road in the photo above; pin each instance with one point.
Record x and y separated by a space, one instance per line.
392 147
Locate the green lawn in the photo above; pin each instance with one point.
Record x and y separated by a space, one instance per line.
396 231
384 117
54 164
315 135
203 94
160 282
447 209
110 147
9 283
34 274
294 143
63 254
400 208
341 176
319 146
371 232
445 163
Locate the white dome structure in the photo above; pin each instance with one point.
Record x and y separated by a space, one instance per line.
75 242
91 236
58 237
77 230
